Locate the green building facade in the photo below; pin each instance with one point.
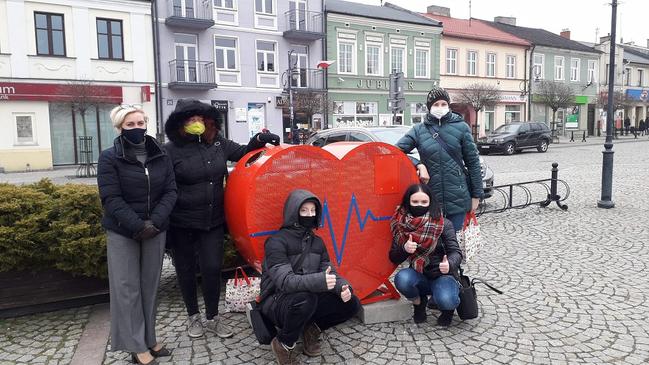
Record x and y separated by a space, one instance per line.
367 43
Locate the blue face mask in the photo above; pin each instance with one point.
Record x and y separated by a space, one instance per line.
135 135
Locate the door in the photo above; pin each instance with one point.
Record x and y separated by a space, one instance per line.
524 135
186 57
300 61
297 17
591 120
184 8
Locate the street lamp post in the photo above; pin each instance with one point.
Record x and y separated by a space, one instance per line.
290 91
606 200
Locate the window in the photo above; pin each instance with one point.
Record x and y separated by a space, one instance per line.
451 61
422 63
337 137
346 57
627 76
397 59
359 137
472 63
186 46
575 65
227 4
558 68
510 69
640 77
109 39
24 129
592 67
266 56
226 50
539 67
489 118
491 65
355 114
50 36
418 112
512 113
373 53
264 6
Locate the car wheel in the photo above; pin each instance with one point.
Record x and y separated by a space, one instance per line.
509 148
543 146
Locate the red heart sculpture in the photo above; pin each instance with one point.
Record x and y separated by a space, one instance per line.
359 185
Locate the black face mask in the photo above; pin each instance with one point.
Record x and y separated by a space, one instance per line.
418 210
309 222
135 135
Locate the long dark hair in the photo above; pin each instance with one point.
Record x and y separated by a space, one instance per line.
434 207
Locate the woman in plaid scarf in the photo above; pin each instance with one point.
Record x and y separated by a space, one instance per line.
422 236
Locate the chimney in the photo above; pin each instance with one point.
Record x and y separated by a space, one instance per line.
607 38
438 10
505 20
565 33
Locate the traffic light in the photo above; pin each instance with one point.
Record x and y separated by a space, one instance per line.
396 97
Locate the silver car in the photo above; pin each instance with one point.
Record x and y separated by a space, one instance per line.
387 134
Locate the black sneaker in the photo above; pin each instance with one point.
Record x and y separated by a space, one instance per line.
419 315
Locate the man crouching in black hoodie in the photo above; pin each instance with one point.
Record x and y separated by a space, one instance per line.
303 294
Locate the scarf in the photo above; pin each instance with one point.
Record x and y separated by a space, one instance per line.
424 230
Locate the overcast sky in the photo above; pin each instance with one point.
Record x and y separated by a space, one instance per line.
582 17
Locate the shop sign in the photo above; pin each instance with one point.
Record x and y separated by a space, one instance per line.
512 99
281 101
638 94
57 92
379 84
220 105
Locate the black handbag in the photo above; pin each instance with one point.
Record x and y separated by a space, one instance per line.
263 327
468 308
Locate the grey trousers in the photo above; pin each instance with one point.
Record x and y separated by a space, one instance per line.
134 275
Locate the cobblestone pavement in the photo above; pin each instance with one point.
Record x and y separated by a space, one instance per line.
47 338
574 281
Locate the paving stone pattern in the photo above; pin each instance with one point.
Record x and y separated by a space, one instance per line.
574 281
47 338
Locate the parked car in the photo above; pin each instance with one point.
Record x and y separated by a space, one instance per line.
515 137
387 134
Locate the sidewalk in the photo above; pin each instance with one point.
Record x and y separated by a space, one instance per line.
565 141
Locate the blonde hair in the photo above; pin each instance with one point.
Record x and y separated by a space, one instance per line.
119 113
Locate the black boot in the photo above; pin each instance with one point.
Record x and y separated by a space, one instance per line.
420 311
445 318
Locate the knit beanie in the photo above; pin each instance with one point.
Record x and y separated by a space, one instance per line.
436 93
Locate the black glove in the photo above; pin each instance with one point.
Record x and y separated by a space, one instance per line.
149 231
268 138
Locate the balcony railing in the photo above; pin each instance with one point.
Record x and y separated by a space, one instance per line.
191 75
190 14
307 79
304 25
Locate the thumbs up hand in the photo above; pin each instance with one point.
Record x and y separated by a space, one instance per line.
330 278
410 246
345 294
444 267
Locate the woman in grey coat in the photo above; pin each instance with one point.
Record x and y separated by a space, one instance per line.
138 191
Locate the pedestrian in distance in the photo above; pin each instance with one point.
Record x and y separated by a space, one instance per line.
301 292
641 127
423 237
627 124
449 164
138 191
199 154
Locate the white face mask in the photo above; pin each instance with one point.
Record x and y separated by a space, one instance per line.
439 111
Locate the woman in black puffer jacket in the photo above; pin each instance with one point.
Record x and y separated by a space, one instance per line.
199 155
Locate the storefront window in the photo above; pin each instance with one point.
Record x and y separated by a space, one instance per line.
418 112
355 114
489 118
512 113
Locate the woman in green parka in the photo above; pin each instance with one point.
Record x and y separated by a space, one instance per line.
449 161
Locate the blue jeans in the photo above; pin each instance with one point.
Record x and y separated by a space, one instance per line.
445 290
457 220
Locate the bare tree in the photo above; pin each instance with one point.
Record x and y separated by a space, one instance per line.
554 95
310 103
81 96
620 100
479 95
